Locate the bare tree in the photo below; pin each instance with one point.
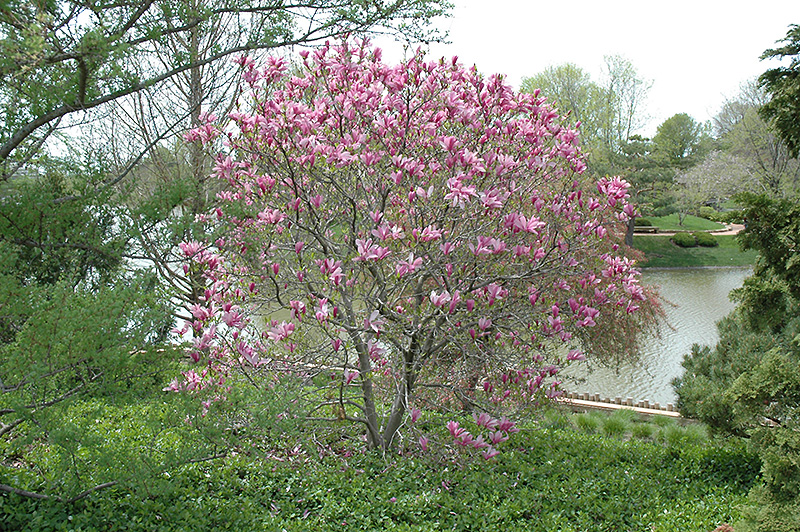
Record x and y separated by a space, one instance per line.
745 134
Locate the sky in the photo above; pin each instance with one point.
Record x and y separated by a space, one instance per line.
696 53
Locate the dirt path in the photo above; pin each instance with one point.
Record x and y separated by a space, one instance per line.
731 229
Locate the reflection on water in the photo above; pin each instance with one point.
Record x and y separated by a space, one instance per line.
699 298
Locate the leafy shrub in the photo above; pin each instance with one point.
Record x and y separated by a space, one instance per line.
554 480
706 240
767 514
709 213
684 240
664 211
642 222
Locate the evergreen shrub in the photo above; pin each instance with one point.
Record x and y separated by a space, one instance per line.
684 240
706 240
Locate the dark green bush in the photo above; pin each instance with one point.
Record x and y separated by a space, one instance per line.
706 240
665 210
684 240
642 222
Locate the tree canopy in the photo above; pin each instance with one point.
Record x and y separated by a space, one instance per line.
680 141
62 57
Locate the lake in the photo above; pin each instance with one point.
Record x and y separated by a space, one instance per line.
698 299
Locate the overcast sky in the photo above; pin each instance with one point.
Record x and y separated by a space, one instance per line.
695 52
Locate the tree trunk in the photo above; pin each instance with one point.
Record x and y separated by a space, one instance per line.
374 438
629 232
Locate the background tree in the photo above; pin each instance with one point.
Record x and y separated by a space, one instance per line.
570 89
749 383
717 178
75 324
680 142
624 93
66 57
610 111
756 144
408 233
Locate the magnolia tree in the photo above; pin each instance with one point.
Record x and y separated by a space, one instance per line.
400 233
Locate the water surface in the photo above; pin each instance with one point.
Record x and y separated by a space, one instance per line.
698 299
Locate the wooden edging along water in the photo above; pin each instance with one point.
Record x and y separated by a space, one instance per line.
587 401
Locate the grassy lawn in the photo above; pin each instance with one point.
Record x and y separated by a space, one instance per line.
661 253
690 223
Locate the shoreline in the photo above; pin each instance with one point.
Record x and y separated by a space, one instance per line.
719 267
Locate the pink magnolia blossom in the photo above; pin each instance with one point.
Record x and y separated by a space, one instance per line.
440 299
498 437
460 194
447 247
423 443
485 420
490 453
430 233
374 321
190 249
575 354
368 251
455 429
408 266
465 439
422 202
505 425
298 309
281 331
233 318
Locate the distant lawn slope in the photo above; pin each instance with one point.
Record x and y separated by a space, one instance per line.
661 253
690 223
